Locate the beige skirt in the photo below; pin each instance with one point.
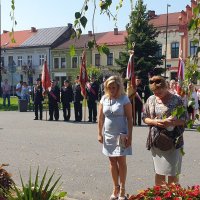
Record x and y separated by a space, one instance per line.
167 163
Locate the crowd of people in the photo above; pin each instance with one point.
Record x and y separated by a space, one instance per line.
154 105
67 94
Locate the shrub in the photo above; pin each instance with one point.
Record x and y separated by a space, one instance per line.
6 182
36 190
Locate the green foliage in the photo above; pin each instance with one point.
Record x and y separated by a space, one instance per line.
13 104
39 190
81 20
94 71
72 51
144 35
6 182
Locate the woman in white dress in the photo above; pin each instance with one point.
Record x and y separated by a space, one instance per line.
115 132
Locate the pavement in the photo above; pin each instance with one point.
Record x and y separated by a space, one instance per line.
73 150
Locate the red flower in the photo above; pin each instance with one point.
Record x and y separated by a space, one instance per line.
157 188
167 194
158 198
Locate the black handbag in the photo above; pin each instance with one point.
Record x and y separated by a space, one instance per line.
162 140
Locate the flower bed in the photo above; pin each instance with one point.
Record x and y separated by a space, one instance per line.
169 192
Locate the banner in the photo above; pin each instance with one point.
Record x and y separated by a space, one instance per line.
83 74
180 75
130 74
46 82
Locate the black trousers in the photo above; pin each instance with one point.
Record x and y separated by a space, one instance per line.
38 106
92 107
53 111
78 111
66 111
138 113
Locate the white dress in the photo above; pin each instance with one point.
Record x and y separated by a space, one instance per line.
114 124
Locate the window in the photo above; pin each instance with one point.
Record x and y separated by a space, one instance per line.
110 59
2 62
159 52
21 77
10 60
74 62
29 60
41 59
19 60
63 63
97 59
175 50
193 48
56 63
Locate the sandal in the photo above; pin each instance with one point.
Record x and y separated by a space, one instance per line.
113 195
122 192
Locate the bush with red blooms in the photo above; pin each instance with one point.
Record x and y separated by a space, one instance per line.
169 192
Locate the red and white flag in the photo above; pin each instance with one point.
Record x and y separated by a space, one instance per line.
83 74
180 74
46 81
130 73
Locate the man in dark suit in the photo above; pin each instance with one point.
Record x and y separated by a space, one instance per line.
138 100
78 98
38 98
92 89
66 99
54 100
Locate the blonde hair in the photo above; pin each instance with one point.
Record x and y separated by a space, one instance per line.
118 81
156 86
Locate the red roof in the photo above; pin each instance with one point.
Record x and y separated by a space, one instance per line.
160 20
110 38
19 36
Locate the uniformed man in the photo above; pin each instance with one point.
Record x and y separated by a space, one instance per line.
101 87
78 98
92 89
66 99
38 98
54 100
138 101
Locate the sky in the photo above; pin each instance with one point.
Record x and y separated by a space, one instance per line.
56 13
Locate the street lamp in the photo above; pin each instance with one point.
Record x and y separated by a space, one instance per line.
166 40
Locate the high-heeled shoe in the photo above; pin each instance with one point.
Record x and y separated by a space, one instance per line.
115 194
122 195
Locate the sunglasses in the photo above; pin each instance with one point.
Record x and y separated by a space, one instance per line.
155 81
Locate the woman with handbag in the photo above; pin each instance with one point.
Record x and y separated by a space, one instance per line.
158 115
115 132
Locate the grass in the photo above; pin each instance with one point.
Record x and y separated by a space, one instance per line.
13 104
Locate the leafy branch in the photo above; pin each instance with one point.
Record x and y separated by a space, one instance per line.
81 22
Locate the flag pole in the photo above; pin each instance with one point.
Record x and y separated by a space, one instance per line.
131 89
45 82
84 108
83 81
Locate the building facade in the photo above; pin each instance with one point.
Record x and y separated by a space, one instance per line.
23 60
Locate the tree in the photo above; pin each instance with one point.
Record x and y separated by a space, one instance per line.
143 34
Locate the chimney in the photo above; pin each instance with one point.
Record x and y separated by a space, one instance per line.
115 31
33 29
151 14
5 31
90 33
69 25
